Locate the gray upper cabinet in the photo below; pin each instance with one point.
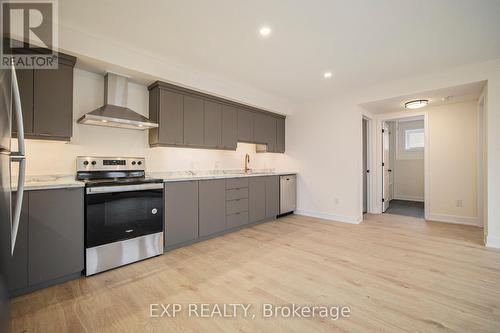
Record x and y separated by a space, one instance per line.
188 118
53 102
167 109
25 79
181 212
213 125
229 127
212 206
257 199
259 125
245 126
193 121
265 130
47 101
272 196
56 233
280 135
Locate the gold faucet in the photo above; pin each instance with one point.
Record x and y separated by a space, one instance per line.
247 160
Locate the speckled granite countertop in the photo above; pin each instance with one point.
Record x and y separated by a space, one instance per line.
45 182
213 174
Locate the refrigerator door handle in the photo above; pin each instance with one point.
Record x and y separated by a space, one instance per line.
19 115
19 200
19 156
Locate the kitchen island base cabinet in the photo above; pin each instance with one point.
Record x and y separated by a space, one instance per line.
56 234
181 213
212 206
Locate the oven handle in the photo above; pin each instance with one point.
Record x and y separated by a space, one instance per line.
124 188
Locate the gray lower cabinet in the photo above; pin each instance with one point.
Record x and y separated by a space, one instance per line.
198 209
245 126
193 121
181 212
56 234
212 206
272 196
229 127
17 264
256 199
237 219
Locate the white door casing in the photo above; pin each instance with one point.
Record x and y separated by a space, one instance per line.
386 188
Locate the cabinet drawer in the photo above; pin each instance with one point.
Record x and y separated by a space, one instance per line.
236 206
236 220
237 193
236 183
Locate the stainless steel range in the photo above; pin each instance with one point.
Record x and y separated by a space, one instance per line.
123 212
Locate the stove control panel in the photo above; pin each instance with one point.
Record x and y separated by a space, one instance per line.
89 163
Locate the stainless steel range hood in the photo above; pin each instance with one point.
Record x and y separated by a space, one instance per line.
114 112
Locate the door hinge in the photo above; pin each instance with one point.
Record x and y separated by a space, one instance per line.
383 164
367 171
383 130
383 200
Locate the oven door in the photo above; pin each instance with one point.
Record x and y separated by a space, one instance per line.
116 213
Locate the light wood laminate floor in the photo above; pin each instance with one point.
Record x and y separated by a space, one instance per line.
396 273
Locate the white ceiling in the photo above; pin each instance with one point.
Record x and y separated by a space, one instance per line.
462 93
363 42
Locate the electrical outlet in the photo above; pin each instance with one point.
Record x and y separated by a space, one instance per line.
458 203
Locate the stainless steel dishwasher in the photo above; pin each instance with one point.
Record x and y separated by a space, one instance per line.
288 193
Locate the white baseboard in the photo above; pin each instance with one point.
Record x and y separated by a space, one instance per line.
331 217
453 219
493 242
408 198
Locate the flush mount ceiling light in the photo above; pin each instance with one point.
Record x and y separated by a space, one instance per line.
327 75
265 31
416 104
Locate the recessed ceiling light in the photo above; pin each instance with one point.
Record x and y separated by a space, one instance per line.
265 31
416 104
327 75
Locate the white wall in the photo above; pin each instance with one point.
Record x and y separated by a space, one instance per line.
453 162
408 167
326 138
45 157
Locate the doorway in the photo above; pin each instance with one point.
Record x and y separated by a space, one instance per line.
403 171
365 166
366 162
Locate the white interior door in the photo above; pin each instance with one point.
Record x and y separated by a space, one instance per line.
386 192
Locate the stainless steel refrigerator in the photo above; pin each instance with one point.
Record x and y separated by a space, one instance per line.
10 109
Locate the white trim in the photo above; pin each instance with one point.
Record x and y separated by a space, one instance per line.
370 182
377 157
467 220
493 242
408 198
331 217
481 174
